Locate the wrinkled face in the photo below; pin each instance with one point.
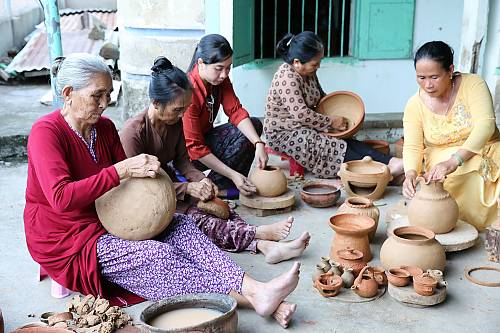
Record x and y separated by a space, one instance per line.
432 77
87 104
215 73
172 112
309 68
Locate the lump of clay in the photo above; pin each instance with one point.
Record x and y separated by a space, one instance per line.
216 207
139 208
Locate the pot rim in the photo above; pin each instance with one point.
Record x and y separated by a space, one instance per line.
358 201
413 230
317 184
359 230
270 168
399 273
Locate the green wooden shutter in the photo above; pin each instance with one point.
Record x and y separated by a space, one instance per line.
243 31
384 29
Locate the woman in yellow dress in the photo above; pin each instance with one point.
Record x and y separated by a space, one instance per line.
449 125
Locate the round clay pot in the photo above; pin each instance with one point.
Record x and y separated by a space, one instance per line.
365 285
433 208
413 270
216 207
351 258
319 194
380 145
139 208
412 246
398 277
328 284
361 206
424 284
351 231
270 181
365 178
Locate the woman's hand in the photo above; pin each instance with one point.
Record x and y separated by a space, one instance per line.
139 166
243 184
261 155
410 184
339 123
203 190
441 170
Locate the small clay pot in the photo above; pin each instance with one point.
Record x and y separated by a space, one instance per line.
351 258
326 261
347 278
361 206
398 277
318 270
270 181
413 270
379 275
424 284
335 268
216 207
328 285
320 194
365 285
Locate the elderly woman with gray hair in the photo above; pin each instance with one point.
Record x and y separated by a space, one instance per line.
75 156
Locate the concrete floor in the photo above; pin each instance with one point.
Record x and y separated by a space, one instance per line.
468 308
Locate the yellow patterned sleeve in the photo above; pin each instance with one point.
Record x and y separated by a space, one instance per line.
413 150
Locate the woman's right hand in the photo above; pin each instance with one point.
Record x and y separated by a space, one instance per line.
244 185
410 184
339 123
139 166
203 190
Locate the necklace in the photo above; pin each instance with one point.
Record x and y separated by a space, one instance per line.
433 109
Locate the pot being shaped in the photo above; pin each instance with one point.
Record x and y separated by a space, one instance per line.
365 178
361 206
351 258
412 246
433 208
365 285
139 208
270 181
351 231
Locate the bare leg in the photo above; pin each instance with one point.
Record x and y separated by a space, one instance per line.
280 251
276 231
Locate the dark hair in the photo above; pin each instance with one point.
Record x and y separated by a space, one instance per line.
303 47
436 50
211 49
167 82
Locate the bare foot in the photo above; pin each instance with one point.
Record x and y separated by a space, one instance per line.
276 252
266 297
276 231
284 313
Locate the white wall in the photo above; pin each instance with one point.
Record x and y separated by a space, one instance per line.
384 85
492 46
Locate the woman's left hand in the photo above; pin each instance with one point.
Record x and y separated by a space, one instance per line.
441 170
261 155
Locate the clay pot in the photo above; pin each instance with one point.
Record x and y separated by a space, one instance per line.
347 278
365 284
412 246
216 207
424 284
139 208
320 194
335 268
351 258
328 285
351 231
365 178
380 145
326 262
433 208
270 181
361 206
379 275
413 270
398 277
319 269
398 148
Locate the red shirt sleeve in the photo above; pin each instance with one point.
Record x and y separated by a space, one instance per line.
231 103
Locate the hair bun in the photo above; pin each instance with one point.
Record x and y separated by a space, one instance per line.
161 64
56 65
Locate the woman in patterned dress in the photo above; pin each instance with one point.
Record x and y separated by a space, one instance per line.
292 125
449 125
75 156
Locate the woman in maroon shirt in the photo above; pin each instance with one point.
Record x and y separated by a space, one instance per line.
228 150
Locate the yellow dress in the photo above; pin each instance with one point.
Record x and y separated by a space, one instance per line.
470 124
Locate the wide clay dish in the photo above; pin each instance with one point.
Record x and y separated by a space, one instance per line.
343 104
320 194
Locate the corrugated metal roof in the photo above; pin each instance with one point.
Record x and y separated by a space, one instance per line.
34 56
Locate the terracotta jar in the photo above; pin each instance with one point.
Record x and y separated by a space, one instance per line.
365 285
328 285
433 208
351 231
412 246
347 278
270 181
351 258
365 178
424 284
398 277
361 206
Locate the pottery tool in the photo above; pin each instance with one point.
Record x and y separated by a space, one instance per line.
265 206
492 239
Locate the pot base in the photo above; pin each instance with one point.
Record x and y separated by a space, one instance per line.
408 296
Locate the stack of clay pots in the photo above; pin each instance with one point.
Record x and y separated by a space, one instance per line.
270 181
424 284
361 206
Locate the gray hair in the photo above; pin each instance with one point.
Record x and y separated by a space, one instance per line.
77 70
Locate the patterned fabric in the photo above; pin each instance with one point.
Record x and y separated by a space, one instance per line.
292 126
230 146
233 234
90 146
180 261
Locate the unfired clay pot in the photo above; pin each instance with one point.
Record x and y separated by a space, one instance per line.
365 285
361 206
328 285
433 208
320 194
412 246
351 258
424 284
216 207
270 181
365 178
351 231
139 208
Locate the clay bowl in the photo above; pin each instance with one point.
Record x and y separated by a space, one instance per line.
328 284
424 284
413 270
398 277
226 322
380 145
320 194
344 104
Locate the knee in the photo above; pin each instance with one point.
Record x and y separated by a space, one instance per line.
257 124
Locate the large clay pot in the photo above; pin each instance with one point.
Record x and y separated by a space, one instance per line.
270 181
412 246
351 231
365 178
361 206
139 208
433 208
